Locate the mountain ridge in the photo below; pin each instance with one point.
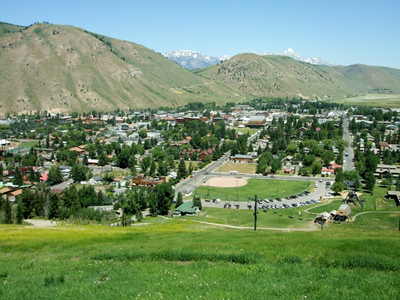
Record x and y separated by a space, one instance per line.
62 68
282 76
192 60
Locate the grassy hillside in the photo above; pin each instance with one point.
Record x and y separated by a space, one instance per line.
281 76
373 99
191 258
372 79
6 28
172 259
64 68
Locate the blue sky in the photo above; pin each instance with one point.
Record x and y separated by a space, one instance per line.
343 32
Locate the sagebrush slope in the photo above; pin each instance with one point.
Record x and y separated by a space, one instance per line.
280 76
64 68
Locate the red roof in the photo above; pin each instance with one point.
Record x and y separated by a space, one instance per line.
44 177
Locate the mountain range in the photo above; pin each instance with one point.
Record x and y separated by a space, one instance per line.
195 60
58 68
314 61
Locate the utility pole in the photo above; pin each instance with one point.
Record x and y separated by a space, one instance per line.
237 191
255 211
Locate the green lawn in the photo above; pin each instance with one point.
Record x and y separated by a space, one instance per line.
376 202
27 145
246 130
263 188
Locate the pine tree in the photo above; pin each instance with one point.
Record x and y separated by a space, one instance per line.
18 177
7 212
32 176
153 168
85 160
54 209
139 215
55 176
182 172
179 200
20 212
197 202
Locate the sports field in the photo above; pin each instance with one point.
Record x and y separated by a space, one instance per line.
262 188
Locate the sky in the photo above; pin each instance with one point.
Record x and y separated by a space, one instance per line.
343 32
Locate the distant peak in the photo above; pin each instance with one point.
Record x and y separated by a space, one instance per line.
190 59
292 54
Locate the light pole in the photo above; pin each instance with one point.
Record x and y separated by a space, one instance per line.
195 185
255 211
237 191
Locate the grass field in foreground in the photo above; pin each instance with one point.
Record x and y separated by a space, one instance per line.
177 259
263 188
282 218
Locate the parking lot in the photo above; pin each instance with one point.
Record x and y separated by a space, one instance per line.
302 199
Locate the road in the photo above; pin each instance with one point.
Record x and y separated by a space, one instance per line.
349 165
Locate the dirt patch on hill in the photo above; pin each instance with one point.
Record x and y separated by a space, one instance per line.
41 223
226 182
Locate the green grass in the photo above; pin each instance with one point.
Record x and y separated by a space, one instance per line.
376 202
246 130
283 218
263 188
240 167
27 145
176 259
376 100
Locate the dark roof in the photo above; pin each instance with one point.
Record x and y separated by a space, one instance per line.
186 207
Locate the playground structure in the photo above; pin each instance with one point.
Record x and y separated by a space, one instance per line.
351 198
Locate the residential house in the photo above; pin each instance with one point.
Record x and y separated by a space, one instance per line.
240 158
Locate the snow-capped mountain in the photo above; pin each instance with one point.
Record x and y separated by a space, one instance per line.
291 53
193 59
